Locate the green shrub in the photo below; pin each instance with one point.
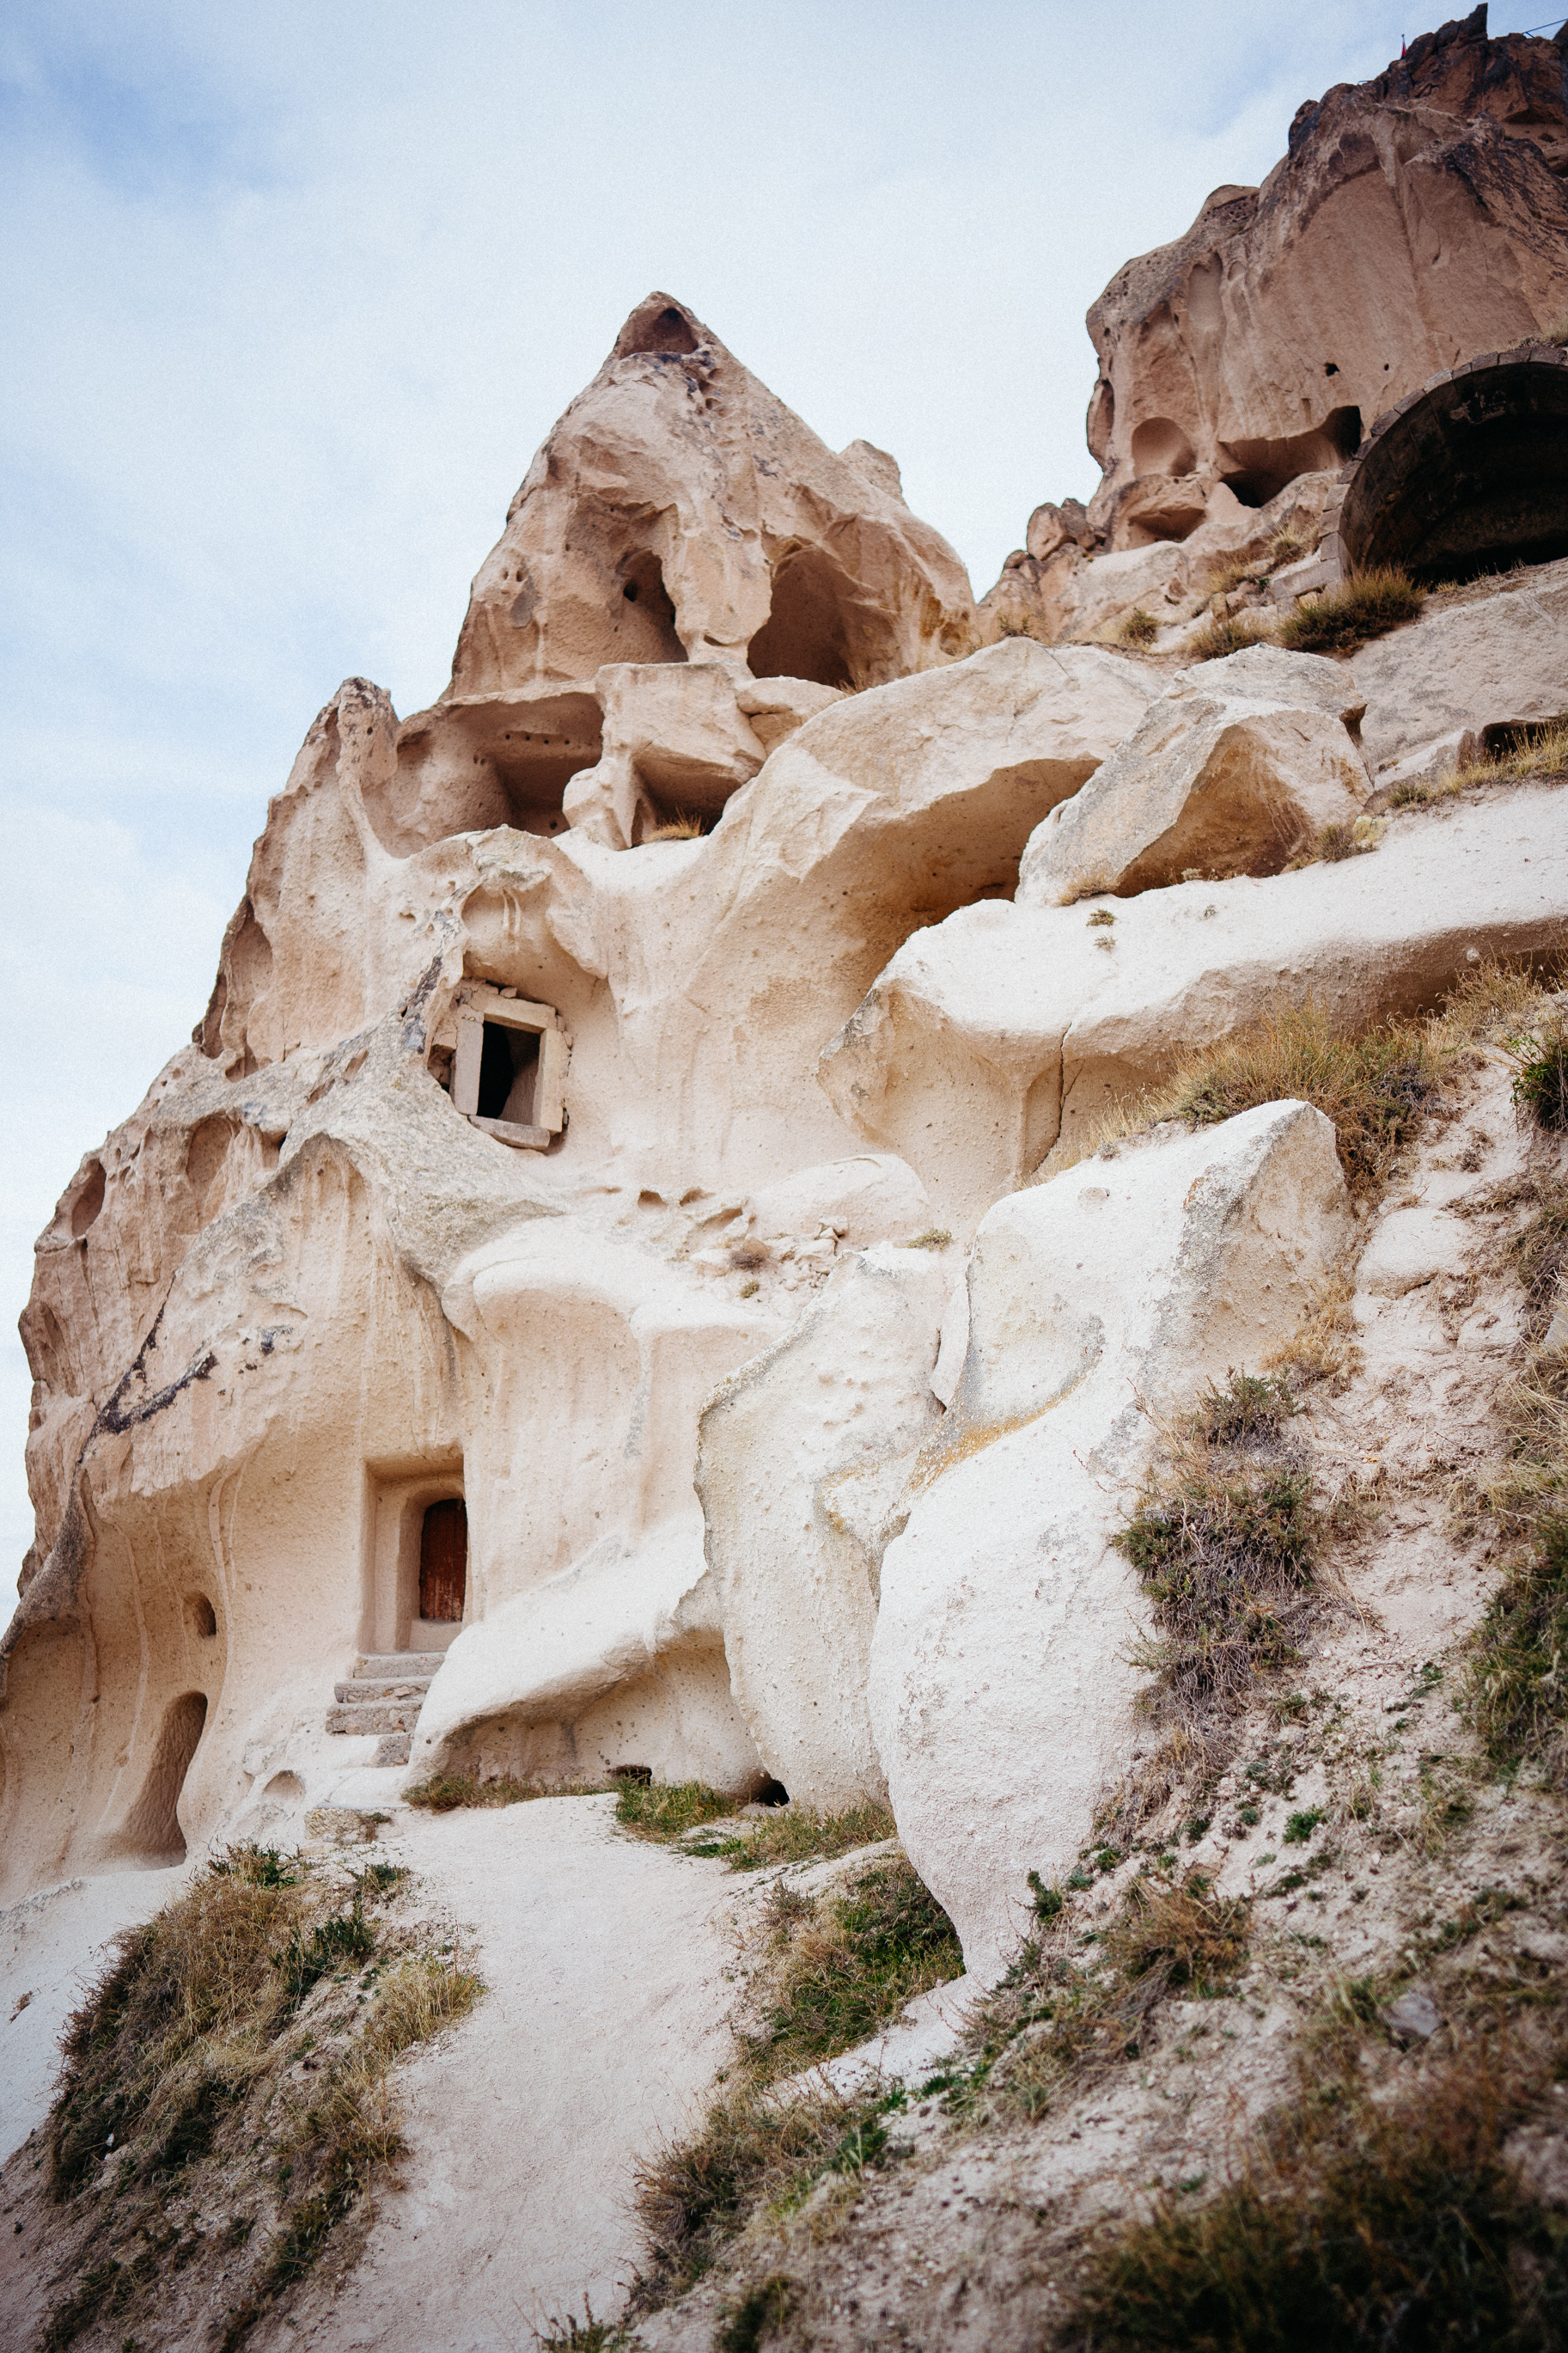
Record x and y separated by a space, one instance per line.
1519 1674
1363 607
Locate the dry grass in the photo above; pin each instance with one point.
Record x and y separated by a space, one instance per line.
1225 1542
1355 2224
1375 1087
825 1972
1365 606
798 1834
175 2069
1349 838
444 1793
752 2156
676 828
1137 627
1228 633
1542 751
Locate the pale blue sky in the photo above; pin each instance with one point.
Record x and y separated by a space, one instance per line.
291 295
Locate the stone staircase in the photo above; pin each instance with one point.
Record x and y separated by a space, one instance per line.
385 1697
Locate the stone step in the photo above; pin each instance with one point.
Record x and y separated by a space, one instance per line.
383 1666
379 1716
392 1748
364 1694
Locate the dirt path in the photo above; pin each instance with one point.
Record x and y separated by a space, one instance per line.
601 2033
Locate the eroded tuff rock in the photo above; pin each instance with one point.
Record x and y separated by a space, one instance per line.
1002 1686
1238 765
611 1183
1415 219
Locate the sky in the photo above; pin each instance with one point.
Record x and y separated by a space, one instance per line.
290 294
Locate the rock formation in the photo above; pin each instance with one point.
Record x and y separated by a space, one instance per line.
591 1266
1416 221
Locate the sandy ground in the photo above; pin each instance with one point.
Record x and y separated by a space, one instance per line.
52 1946
601 2034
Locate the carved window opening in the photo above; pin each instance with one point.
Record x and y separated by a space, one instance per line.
508 1067
444 1562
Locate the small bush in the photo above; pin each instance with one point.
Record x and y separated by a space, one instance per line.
1226 633
1343 619
1138 628
1540 1088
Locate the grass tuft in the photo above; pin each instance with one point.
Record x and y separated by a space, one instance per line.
178 2063
1361 2225
837 1968
1225 1542
1228 633
1365 606
444 1793
665 1812
1138 628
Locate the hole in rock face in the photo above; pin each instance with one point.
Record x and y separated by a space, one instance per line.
286 1787
1159 447
1259 470
649 633
636 1777
444 1562
772 1793
804 635
201 1617
154 1825
1472 478
665 332
508 1070
85 1208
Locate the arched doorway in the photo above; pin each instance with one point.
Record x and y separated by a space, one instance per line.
152 1827
444 1562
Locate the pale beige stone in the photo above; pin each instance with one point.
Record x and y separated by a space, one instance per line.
1002 1684
1239 765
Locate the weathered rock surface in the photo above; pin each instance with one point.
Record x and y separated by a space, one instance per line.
1240 763
1417 219
806 1458
1002 1686
1004 1034
1462 668
678 512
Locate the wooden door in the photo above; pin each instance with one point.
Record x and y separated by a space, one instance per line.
444 1562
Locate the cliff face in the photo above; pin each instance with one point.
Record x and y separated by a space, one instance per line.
1417 219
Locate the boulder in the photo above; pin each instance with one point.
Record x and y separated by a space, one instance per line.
676 745
1238 765
1417 218
1002 1692
617 1661
1006 1034
805 1458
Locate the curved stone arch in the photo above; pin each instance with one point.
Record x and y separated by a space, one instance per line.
1470 471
